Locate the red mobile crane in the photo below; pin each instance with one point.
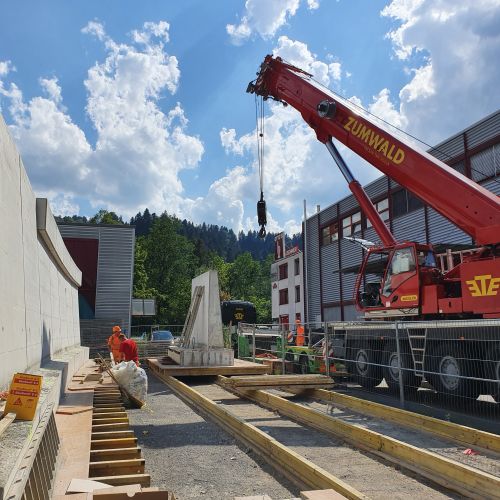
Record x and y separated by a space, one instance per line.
410 284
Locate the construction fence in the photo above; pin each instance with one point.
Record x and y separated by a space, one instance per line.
455 364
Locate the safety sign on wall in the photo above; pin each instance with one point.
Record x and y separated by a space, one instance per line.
23 395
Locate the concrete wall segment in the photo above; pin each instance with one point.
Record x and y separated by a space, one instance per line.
38 296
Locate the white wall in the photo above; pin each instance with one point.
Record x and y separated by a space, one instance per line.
38 279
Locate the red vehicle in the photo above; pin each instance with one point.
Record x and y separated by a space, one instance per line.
409 284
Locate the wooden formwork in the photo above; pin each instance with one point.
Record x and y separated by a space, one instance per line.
115 458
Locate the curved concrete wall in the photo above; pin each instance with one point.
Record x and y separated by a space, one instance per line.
38 278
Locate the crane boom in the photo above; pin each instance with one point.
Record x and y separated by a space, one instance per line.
468 205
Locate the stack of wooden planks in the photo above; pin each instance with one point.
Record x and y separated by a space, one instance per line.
115 458
297 382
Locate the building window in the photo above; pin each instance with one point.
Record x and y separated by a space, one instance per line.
404 202
297 266
330 234
284 296
297 293
351 224
383 209
284 271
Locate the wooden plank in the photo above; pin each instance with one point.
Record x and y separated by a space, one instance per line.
117 467
73 410
108 409
448 473
270 380
112 435
142 479
113 443
109 414
240 368
297 468
321 495
6 421
458 433
114 420
115 454
119 426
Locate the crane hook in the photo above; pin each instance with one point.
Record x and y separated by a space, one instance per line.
261 215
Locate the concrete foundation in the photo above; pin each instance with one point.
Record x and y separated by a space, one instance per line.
214 356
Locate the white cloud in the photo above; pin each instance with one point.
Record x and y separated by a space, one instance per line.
298 54
139 151
263 17
450 47
313 4
94 28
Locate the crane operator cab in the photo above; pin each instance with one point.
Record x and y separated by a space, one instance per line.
390 278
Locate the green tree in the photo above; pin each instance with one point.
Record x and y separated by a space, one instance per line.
142 288
217 263
105 217
242 277
171 265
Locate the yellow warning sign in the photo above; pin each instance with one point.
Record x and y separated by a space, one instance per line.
23 395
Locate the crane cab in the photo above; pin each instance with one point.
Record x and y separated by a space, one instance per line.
390 280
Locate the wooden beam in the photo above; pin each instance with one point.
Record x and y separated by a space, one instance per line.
448 473
112 434
127 442
108 409
120 426
295 467
116 414
458 433
115 454
142 479
117 467
6 421
114 420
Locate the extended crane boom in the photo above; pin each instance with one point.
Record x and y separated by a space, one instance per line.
468 205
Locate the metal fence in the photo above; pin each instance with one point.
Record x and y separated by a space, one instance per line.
454 364
145 332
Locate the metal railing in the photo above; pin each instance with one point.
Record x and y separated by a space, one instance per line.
451 364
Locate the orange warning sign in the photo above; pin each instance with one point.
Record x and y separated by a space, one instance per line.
23 395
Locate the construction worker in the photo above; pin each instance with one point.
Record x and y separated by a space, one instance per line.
128 349
300 333
114 343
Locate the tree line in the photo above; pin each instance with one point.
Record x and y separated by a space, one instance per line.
170 252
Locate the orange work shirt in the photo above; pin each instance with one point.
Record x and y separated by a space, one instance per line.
114 345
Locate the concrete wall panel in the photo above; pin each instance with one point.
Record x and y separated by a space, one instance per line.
38 279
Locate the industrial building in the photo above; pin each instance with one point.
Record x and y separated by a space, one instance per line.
332 261
105 255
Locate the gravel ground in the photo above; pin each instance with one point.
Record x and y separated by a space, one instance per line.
486 463
372 476
195 458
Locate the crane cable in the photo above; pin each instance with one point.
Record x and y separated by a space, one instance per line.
261 204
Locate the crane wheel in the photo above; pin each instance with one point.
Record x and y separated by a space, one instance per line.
391 369
449 363
363 361
493 371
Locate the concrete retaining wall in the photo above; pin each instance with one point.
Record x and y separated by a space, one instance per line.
38 279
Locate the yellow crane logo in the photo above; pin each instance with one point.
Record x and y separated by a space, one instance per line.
483 286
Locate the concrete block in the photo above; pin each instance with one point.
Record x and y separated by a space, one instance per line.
213 356
207 328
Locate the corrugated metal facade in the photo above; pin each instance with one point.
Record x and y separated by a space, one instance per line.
115 268
313 303
332 268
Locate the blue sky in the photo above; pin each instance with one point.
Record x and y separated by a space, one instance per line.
125 105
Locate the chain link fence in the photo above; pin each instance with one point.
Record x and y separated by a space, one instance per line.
455 364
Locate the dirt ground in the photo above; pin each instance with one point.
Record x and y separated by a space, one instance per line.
195 458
